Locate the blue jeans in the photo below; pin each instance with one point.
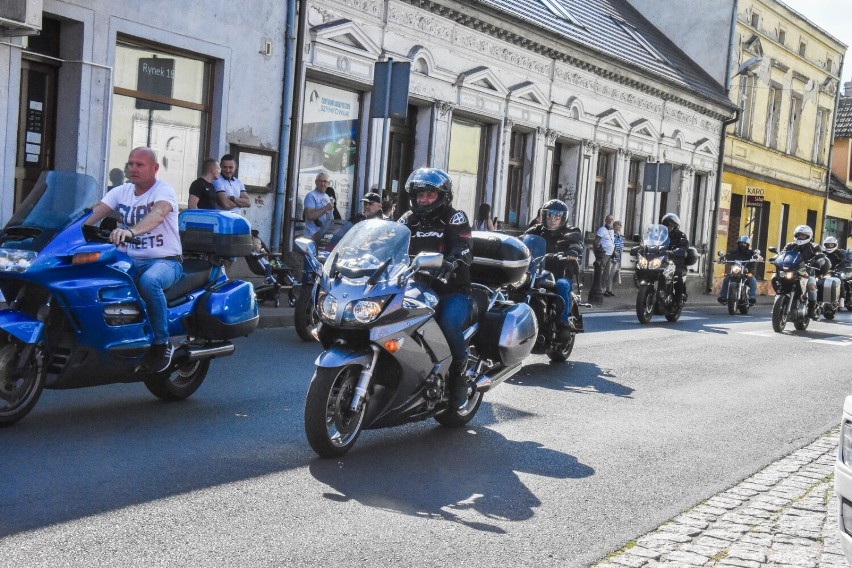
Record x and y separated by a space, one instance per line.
153 277
454 312
563 288
752 287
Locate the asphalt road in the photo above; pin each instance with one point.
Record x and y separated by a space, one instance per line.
563 464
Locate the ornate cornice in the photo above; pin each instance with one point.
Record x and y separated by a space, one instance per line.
551 137
432 27
444 108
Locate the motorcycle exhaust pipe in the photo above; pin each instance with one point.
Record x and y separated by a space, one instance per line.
488 381
192 353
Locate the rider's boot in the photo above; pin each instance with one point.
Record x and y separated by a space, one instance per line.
812 311
458 384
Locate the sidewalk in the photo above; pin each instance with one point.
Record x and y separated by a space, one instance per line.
783 516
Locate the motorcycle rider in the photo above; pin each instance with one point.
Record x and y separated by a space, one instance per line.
813 255
553 228
437 227
743 252
832 251
678 243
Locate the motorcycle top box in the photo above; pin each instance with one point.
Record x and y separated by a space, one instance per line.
217 232
498 259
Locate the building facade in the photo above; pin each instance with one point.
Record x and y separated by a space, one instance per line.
838 213
520 102
104 76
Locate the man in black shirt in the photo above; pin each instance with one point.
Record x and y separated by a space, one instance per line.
202 194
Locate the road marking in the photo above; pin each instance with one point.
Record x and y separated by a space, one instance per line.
836 340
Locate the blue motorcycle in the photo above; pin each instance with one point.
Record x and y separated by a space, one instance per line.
75 318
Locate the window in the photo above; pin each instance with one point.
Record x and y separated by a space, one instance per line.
793 128
746 103
633 195
782 36
811 221
601 183
560 11
755 19
829 64
514 189
696 214
772 116
467 163
803 48
161 100
785 222
820 136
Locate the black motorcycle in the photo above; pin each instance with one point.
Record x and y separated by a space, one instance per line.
656 277
843 272
790 285
305 317
739 273
538 289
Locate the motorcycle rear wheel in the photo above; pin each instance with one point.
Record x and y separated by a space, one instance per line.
330 426
829 313
780 313
304 314
20 391
457 417
178 384
645 303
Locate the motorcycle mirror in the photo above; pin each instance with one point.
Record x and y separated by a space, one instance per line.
634 251
306 246
427 260
720 254
636 237
773 249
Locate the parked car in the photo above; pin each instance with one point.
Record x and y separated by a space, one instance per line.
843 480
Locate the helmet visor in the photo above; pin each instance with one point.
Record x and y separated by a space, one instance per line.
830 247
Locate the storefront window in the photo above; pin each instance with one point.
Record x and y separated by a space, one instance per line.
467 141
329 143
161 100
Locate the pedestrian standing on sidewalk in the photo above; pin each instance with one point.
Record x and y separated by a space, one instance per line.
615 261
604 247
202 192
483 218
230 191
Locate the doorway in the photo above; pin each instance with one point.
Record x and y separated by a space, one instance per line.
36 125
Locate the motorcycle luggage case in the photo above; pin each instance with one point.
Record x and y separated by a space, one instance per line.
828 289
218 232
498 259
226 310
507 333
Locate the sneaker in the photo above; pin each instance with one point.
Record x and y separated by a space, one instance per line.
269 280
158 358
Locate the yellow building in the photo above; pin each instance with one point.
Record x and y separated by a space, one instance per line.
775 164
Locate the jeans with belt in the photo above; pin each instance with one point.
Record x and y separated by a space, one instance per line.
153 277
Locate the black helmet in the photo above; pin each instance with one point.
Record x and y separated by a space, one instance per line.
553 209
743 242
671 221
429 179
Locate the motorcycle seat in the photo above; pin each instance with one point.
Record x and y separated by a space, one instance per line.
196 275
480 304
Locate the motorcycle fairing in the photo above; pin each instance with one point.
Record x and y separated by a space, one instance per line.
21 326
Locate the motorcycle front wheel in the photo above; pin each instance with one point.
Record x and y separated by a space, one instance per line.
19 390
645 303
331 427
733 298
780 312
304 315
178 384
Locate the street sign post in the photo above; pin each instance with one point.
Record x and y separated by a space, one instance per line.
389 100
657 178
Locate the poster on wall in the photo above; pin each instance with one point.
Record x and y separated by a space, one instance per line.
177 148
329 142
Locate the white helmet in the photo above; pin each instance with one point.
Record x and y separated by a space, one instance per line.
803 235
829 244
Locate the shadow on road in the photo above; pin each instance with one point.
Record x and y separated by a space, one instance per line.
466 476
577 377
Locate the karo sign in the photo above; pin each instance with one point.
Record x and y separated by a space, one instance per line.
754 196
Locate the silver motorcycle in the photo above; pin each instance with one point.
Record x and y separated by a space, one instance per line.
386 361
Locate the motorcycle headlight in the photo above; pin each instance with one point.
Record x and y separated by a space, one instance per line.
652 264
643 262
736 269
13 260
327 306
364 311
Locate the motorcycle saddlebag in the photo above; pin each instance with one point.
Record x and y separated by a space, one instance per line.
828 289
691 256
498 259
222 233
507 333
226 310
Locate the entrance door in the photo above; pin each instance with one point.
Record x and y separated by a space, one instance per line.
400 159
36 125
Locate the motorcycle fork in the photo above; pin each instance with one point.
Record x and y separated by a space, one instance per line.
364 382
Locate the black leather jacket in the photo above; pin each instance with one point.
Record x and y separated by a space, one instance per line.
812 254
570 237
449 234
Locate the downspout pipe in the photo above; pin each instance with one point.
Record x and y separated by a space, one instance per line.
286 126
831 146
721 163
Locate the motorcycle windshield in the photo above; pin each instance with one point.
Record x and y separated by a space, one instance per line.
56 200
372 247
656 236
788 260
538 248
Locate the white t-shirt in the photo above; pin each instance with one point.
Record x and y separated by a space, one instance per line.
232 187
607 239
317 200
163 240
